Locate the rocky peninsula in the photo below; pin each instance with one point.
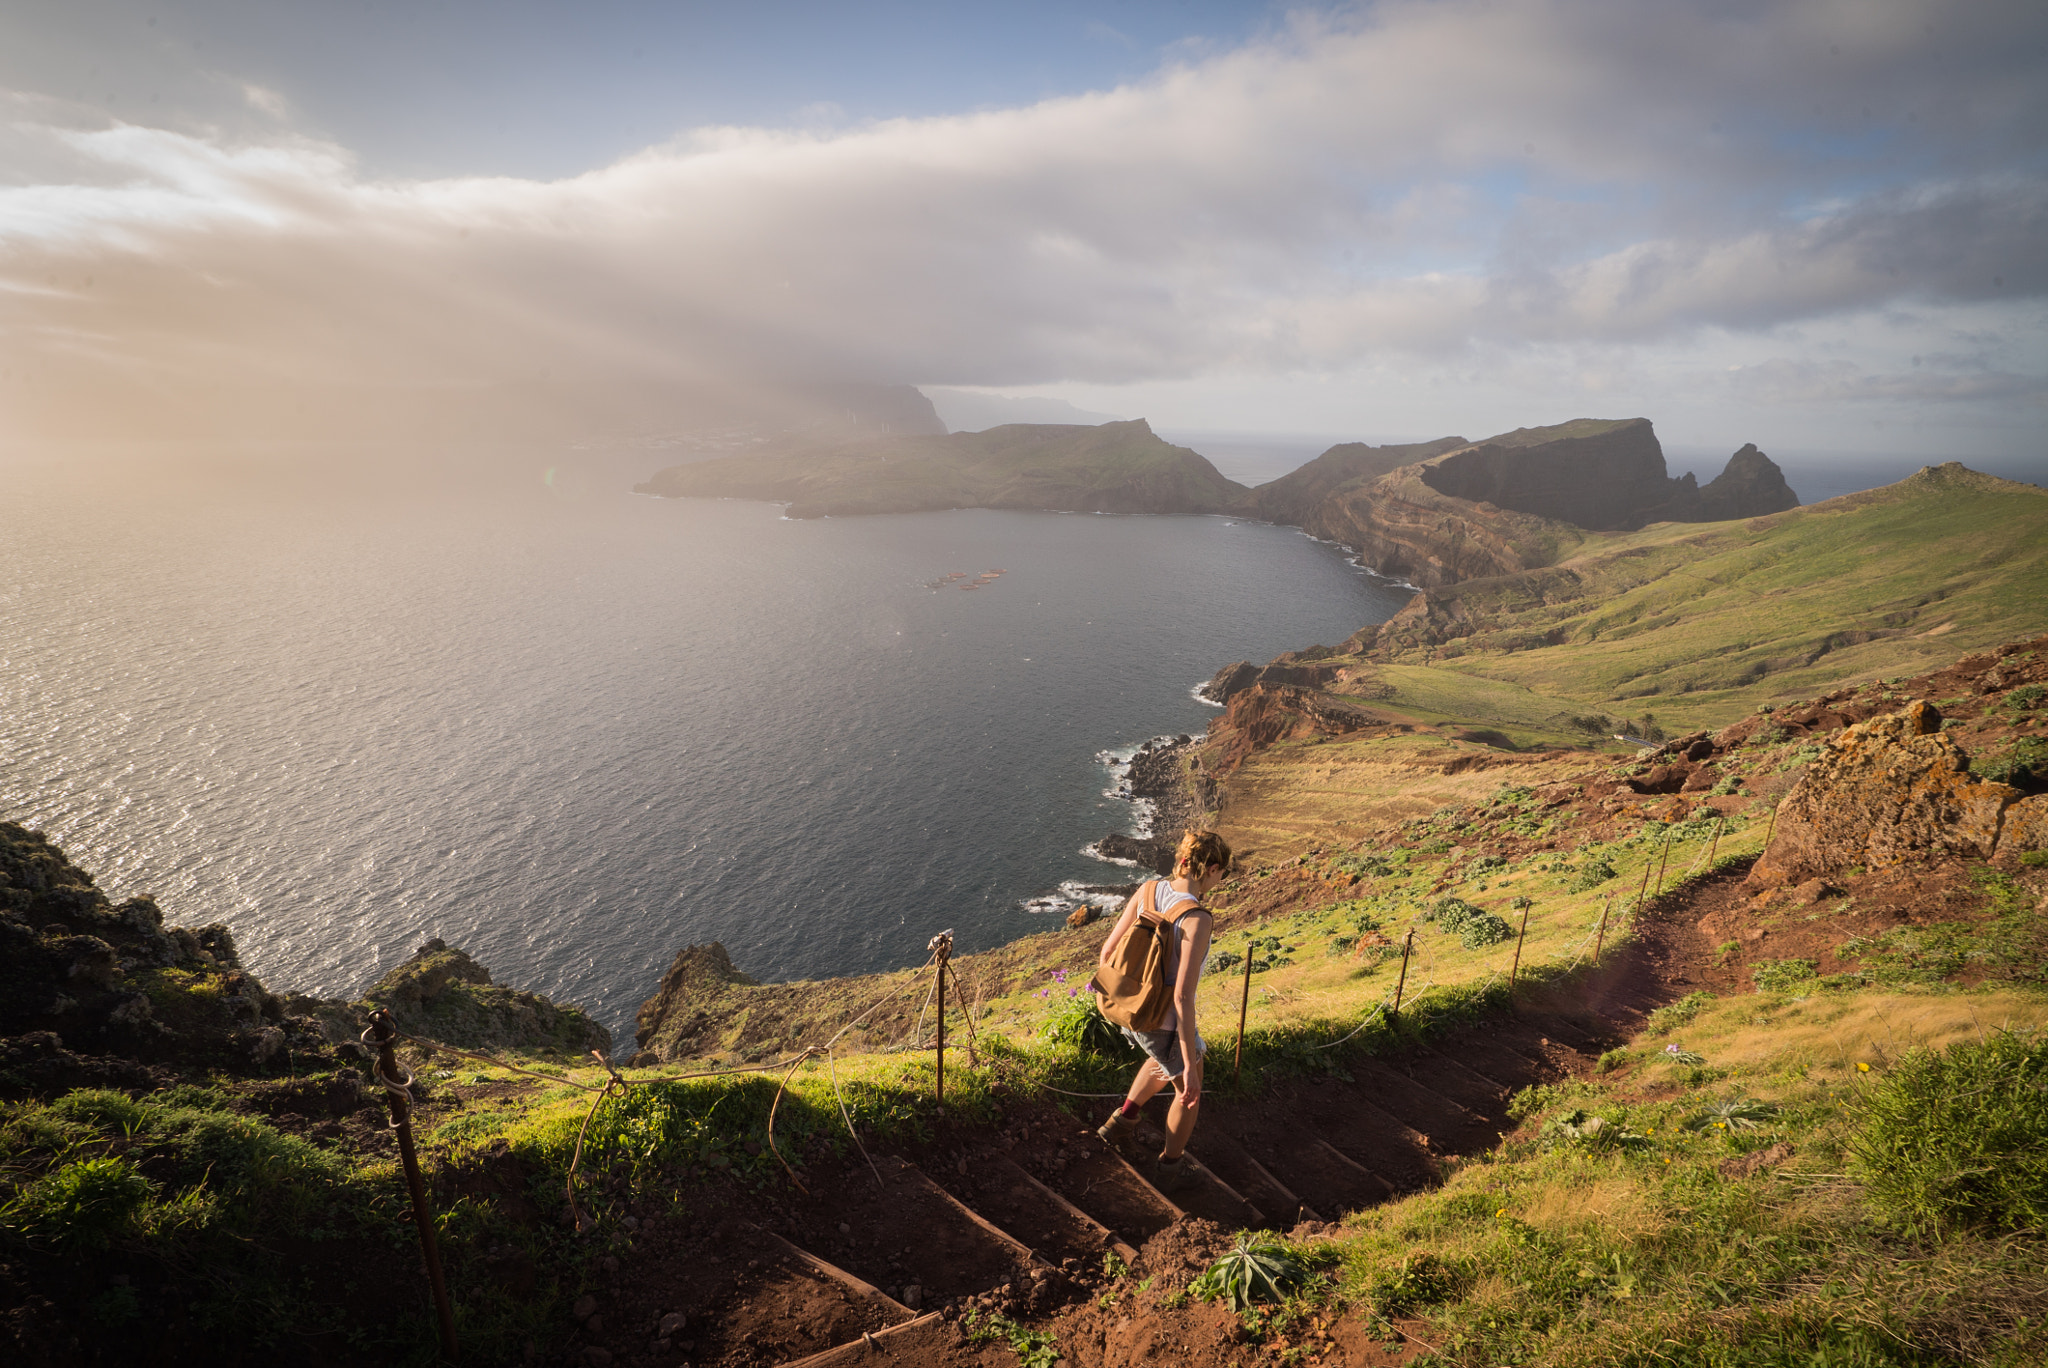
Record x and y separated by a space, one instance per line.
1114 468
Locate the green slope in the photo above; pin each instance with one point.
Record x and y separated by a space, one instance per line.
1703 622
1113 468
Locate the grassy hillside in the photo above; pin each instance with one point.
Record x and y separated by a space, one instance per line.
1113 468
1706 622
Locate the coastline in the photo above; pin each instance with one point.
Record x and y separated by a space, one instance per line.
1158 782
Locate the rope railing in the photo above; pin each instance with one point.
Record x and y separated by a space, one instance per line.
398 1082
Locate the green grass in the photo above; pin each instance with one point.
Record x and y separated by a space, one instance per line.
1706 622
1959 1137
1606 1231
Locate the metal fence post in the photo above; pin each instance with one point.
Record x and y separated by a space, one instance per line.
398 1095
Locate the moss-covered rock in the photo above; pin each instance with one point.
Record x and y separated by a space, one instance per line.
443 994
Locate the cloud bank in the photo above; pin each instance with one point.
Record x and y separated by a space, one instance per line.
1787 197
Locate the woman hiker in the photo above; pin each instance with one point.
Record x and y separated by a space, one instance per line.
1176 1047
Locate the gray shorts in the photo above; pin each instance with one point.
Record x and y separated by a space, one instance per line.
1164 1047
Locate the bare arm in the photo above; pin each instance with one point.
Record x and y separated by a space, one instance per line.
1194 950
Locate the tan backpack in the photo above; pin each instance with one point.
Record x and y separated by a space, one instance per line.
1132 988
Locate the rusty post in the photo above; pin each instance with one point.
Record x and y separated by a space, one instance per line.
940 1093
1600 939
1644 886
1244 1007
1661 860
1771 830
1406 943
1714 845
1516 967
422 1218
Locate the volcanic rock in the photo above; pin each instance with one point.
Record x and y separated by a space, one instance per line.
1889 790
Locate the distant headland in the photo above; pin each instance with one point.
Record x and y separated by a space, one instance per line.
1432 512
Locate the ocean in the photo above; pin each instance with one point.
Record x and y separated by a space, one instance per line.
344 703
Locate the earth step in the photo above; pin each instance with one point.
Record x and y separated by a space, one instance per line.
1547 1059
1036 1214
1586 1038
1096 1179
912 1232
1487 1054
759 1296
1451 1077
913 1174
1226 1158
870 1348
859 1287
1448 1125
1211 1196
1329 1181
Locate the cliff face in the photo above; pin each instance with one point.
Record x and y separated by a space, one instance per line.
1606 476
1750 486
1402 526
1290 499
1522 500
98 995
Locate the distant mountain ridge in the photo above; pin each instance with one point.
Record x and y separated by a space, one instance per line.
1113 468
1433 512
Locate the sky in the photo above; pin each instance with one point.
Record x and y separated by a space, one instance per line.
1819 224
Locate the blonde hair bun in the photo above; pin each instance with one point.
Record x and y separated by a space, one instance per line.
1200 851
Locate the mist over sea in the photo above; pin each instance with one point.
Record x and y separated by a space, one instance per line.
343 707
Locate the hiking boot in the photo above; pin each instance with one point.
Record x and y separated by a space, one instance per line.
1170 1176
1120 1132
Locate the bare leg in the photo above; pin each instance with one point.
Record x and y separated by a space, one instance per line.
1180 1122
1147 1084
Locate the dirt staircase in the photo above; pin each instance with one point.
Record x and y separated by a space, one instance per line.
862 1266
1020 1218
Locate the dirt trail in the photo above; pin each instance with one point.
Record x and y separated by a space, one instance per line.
1019 1219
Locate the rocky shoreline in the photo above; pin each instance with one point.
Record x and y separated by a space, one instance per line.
1164 776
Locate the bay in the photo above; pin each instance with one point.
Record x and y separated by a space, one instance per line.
344 706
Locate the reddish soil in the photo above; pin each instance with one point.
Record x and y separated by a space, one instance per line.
1299 1152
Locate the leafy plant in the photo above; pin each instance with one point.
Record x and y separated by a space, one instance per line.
83 1205
1733 1114
1577 1127
1594 872
1034 1348
1484 929
1250 1273
1673 1015
1451 913
1782 976
1076 1021
1958 1137
1423 1279
2024 764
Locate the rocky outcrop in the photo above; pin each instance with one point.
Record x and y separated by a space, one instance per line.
1305 669
1265 714
1750 486
670 1022
1525 499
1290 499
442 994
1604 475
1890 790
98 994
1404 528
